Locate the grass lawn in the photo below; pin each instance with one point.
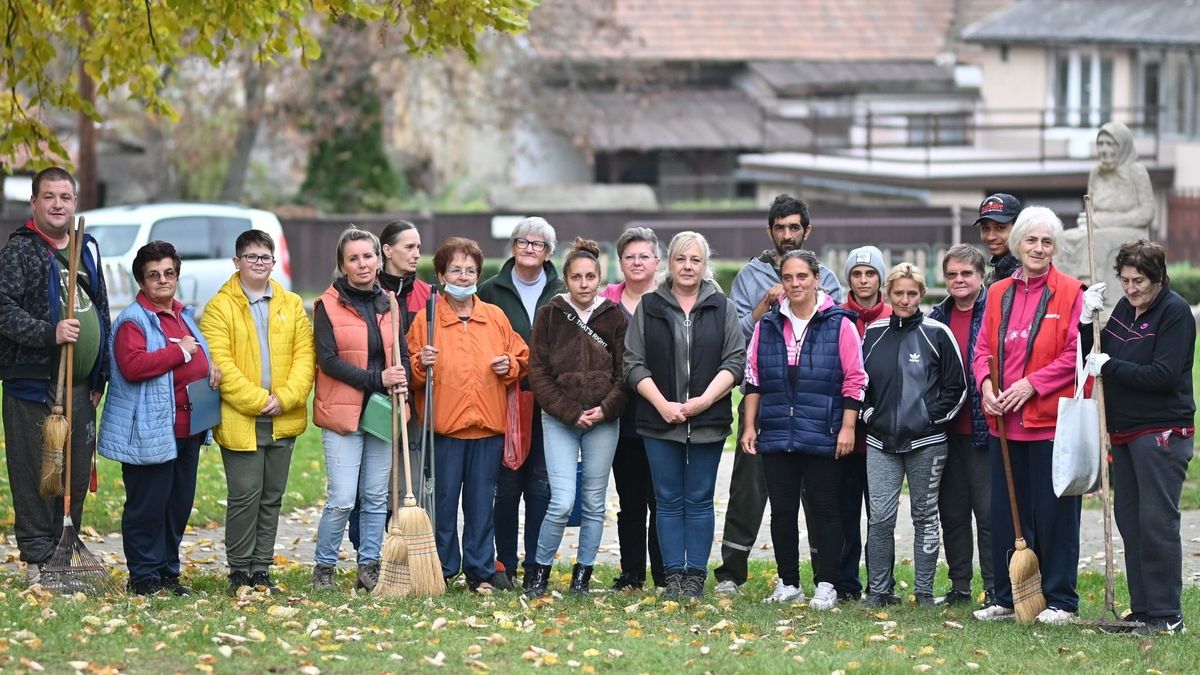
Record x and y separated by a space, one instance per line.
338 631
306 485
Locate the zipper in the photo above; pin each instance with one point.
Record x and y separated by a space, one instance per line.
687 337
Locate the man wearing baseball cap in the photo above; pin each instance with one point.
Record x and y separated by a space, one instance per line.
996 216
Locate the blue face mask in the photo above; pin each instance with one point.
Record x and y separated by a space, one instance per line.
459 293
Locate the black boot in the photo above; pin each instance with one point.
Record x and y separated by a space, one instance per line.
693 584
581 576
674 585
537 579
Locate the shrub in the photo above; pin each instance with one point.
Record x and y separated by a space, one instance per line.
1185 280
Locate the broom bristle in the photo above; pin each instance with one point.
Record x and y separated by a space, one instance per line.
1026 578
54 436
73 569
424 566
394 577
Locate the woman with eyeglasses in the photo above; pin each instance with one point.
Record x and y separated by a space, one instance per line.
158 351
476 355
524 284
637 253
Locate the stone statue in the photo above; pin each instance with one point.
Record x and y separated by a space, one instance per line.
1122 209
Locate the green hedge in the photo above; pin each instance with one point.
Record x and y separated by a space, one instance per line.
1185 280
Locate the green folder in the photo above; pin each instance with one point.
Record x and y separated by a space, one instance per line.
377 418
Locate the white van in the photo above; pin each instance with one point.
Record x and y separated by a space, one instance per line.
203 236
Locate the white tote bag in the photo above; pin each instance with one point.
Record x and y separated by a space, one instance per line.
1077 453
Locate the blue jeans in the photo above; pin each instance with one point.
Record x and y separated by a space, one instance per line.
563 445
358 466
684 476
532 482
466 466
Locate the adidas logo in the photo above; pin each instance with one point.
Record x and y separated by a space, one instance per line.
914 358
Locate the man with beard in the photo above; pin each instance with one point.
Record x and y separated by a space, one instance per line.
756 289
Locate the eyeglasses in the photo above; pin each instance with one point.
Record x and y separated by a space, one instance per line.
254 258
462 272
538 246
155 275
643 258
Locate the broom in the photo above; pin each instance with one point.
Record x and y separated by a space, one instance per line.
55 430
423 562
395 580
72 568
1023 571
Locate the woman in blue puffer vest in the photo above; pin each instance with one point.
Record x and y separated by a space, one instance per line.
804 385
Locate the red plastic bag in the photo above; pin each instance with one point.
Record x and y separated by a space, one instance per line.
518 427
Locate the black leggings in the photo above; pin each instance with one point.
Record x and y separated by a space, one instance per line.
787 473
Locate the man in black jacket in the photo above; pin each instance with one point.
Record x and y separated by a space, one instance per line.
33 290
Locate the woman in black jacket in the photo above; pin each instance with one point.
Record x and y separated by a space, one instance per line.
915 386
1146 357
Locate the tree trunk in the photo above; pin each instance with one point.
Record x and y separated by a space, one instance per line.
86 171
254 80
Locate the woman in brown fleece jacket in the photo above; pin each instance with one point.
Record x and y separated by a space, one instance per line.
576 375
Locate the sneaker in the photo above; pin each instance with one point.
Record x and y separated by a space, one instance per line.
726 589
927 600
849 596
171 584
994 612
262 581
785 594
879 600
145 586
237 581
1170 625
692 586
958 598
33 573
368 576
628 582
825 597
1054 617
322 577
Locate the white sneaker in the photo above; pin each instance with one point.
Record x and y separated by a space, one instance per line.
726 589
994 613
1054 617
825 597
785 594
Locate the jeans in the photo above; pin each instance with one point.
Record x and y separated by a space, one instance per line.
256 481
358 465
158 503
564 445
631 473
820 477
532 482
466 466
685 476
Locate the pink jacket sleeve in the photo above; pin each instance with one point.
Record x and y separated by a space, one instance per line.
751 374
854 376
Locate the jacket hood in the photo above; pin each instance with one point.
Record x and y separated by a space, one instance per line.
602 304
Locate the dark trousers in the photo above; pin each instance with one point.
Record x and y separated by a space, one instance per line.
466 467
966 490
38 520
531 481
158 503
631 472
853 499
744 514
787 473
1050 524
256 481
1149 474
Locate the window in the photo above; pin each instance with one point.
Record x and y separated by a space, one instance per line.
1081 88
1169 86
225 233
190 235
114 240
937 130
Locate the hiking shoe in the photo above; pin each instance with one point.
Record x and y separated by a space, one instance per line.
693 584
237 581
1168 625
145 586
926 600
368 575
825 597
1054 617
784 594
171 584
628 582
261 581
879 600
322 577
726 589
674 589
957 598
994 612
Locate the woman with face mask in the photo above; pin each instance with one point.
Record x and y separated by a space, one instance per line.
475 355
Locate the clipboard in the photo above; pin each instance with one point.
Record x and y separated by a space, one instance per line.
206 406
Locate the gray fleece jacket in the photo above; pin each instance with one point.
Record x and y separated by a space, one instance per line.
757 277
733 355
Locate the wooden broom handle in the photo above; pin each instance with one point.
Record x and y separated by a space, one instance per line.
74 244
401 420
994 371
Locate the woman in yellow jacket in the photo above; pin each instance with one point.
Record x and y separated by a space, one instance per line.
476 355
262 341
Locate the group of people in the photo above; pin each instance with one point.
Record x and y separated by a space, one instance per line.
845 397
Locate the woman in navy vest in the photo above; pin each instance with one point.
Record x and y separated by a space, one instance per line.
804 384
684 352
157 352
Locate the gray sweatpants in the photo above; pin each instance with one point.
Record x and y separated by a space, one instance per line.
885 474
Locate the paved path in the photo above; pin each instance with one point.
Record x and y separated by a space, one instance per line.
204 548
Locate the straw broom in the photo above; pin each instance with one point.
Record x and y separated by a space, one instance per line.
55 430
1023 571
395 580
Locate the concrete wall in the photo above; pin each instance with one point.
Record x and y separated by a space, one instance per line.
543 156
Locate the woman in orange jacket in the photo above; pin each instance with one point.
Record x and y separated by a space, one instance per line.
475 355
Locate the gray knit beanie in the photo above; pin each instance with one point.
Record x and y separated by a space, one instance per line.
865 255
